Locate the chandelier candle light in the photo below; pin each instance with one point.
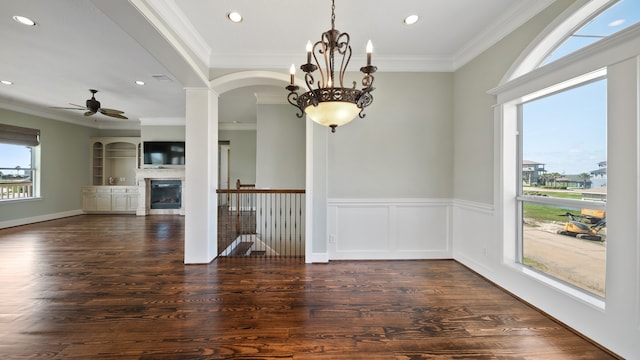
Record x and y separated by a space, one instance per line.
330 103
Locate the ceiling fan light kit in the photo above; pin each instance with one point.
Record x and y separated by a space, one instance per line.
328 104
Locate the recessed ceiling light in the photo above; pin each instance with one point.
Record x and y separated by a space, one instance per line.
234 17
24 20
6 82
411 19
139 82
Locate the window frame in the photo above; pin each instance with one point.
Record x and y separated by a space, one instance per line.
30 138
588 61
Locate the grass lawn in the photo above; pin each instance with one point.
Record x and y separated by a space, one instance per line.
548 212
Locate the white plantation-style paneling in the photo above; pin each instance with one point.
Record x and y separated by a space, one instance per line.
389 229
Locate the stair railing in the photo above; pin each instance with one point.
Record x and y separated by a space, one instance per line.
261 222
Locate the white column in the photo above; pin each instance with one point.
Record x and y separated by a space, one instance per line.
201 173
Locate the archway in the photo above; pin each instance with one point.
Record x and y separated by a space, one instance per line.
237 80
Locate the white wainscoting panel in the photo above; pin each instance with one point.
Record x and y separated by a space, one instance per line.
392 229
476 241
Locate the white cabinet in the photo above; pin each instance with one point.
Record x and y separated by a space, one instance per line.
114 161
119 199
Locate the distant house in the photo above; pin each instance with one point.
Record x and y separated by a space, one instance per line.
599 176
573 181
531 172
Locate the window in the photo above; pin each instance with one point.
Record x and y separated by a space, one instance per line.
619 16
562 148
18 163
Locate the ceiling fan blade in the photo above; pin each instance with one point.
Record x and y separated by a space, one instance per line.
110 111
118 116
89 113
80 106
65 108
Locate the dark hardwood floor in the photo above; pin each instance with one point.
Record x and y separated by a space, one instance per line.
115 287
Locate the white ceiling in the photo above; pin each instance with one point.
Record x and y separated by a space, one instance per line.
108 44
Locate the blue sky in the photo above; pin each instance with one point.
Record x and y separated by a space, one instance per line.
567 131
12 156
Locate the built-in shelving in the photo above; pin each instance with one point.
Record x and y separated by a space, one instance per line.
115 160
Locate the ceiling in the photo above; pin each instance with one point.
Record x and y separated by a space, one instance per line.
107 45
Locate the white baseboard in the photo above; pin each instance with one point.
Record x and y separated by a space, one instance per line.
40 218
317 258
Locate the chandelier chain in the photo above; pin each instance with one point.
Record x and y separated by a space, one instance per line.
333 14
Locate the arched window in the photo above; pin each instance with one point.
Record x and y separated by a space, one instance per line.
582 24
615 17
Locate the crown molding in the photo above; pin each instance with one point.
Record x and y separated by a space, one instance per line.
178 22
281 62
177 121
237 127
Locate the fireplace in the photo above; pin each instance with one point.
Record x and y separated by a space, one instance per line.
165 194
161 191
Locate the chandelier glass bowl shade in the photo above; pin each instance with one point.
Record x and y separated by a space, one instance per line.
326 101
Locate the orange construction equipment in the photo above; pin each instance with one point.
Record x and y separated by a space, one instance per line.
576 228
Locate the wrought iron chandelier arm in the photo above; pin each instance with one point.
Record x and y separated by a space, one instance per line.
344 49
292 98
367 83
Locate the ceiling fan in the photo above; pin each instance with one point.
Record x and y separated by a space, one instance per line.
93 106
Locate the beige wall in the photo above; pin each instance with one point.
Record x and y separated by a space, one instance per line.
243 154
403 147
64 168
473 115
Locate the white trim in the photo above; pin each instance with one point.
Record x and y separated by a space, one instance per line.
474 206
309 224
249 78
178 21
177 121
390 201
39 218
616 48
396 63
315 258
237 126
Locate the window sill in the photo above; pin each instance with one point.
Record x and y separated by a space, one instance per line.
580 295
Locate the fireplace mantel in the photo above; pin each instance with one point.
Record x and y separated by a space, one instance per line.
143 178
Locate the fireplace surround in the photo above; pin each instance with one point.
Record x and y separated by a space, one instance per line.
170 180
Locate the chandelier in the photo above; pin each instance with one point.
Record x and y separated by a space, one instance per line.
330 103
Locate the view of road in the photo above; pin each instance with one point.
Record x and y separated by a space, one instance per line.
576 261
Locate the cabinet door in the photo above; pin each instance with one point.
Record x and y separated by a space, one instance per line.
132 201
119 202
89 202
103 202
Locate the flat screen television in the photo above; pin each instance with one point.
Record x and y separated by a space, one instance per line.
160 153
